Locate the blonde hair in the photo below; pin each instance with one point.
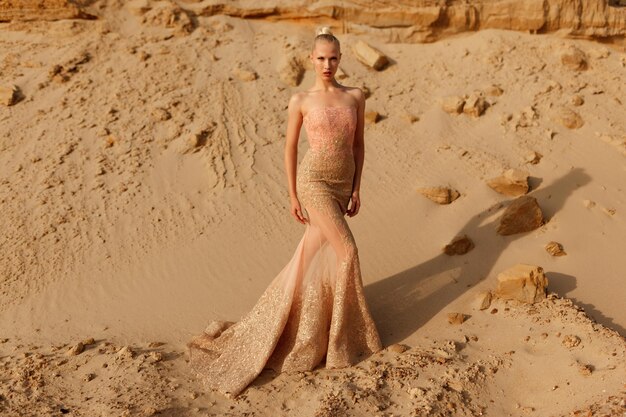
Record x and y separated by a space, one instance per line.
324 33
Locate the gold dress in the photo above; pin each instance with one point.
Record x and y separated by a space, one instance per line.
314 309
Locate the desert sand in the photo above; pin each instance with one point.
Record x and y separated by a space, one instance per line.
143 196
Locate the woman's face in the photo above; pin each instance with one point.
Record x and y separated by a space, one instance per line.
325 58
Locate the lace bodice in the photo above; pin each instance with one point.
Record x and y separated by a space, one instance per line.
330 128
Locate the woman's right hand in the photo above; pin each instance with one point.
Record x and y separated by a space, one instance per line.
296 211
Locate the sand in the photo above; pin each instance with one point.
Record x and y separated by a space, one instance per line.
143 196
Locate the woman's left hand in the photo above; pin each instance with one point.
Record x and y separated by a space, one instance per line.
355 204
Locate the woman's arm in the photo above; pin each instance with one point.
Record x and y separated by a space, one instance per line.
358 149
294 123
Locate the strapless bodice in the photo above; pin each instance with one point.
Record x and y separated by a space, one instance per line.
330 128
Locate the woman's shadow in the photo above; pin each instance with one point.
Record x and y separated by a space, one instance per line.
402 303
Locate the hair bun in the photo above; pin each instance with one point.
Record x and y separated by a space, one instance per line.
324 30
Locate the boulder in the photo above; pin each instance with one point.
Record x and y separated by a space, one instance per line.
460 245
370 56
525 283
522 215
513 182
440 195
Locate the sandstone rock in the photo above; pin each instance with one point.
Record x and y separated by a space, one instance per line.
9 94
482 300
453 104
169 15
88 341
428 21
522 215
371 117
533 157
245 74
160 114
460 245
574 59
494 90
525 283
156 357
571 341
585 369
370 56
589 204
77 349
126 352
475 105
569 118
290 70
457 318
513 182
440 195
27 10
555 249
577 100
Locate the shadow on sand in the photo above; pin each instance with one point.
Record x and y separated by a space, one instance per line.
402 303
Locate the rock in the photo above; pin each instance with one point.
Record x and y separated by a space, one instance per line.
245 74
574 59
9 94
555 249
397 348
493 90
589 204
533 157
440 195
290 70
460 245
370 56
126 352
169 15
482 300
522 215
457 318
453 104
159 114
372 117
156 357
577 100
585 369
475 105
89 341
571 341
410 117
569 118
77 349
525 283
513 182
89 377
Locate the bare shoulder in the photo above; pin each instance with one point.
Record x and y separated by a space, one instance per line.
357 93
296 101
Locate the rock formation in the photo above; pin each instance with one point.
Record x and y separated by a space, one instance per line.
522 215
526 283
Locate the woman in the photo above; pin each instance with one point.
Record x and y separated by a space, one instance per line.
314 310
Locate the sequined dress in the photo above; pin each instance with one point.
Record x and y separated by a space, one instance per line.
314 310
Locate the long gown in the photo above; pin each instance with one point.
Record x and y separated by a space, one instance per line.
314 309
